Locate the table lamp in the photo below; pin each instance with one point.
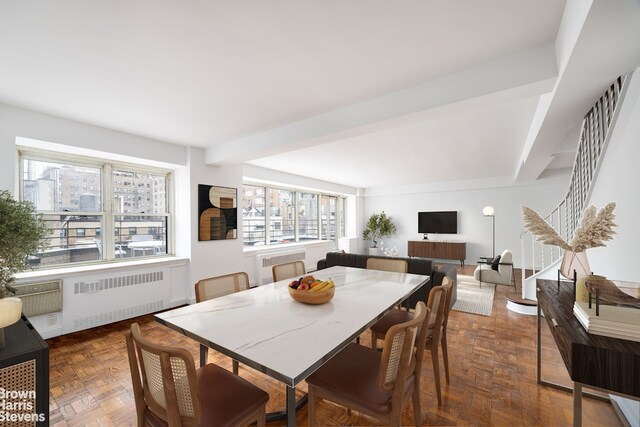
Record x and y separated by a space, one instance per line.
10 312
489 211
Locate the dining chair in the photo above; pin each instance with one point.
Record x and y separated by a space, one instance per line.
376 383
214 287
447 283
288 270
387 264
169 391
437 306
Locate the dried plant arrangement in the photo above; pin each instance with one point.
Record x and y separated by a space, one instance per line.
595 228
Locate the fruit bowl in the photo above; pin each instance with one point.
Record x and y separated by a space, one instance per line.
319 297
309 290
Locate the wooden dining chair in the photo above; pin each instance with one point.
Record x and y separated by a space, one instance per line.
288 270
375 383
169 391
437 305
447 283
214 287
387 264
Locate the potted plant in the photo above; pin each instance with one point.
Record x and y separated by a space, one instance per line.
378 226
23 233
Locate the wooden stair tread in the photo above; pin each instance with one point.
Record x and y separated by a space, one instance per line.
517 299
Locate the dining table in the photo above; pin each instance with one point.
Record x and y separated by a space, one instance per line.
267 330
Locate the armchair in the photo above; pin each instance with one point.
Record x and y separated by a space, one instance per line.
503 275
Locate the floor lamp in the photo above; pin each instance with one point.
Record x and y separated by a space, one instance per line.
489 211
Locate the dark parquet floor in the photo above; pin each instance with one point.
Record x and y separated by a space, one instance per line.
492 360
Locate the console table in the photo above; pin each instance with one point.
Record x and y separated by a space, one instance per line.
438 250
599 362
24 367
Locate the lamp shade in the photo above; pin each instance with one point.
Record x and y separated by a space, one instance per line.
488 211
10 311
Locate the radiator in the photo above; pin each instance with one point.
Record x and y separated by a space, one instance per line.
100 298
40 297
266 261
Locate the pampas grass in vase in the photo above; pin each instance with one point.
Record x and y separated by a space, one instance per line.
594 230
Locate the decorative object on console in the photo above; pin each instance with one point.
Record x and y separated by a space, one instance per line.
378 226
595 228
23 233
217 213
393 252
489 211
614 312
10 312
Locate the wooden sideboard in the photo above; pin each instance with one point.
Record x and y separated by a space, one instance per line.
438 250
594 361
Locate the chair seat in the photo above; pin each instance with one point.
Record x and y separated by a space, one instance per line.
352 375
490 275
226 399
393 317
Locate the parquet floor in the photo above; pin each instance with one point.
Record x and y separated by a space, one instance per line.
492 360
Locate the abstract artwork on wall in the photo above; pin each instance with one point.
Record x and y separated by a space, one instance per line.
217 213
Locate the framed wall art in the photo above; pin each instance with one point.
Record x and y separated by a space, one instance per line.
217 213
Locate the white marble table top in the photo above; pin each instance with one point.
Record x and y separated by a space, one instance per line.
266 329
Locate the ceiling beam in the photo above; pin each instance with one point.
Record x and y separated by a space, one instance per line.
517 76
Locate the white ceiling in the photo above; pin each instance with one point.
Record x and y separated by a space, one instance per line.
374 92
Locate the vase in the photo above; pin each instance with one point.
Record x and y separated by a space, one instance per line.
374 251
574 261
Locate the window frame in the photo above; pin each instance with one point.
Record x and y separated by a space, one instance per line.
107 214
341 204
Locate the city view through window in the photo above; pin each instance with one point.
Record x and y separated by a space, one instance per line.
291 216
72 197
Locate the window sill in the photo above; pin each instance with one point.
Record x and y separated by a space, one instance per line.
106 266
264 248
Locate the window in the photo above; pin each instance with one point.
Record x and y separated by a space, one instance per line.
253 216
328 217
308 216
281 219
290 216
86 221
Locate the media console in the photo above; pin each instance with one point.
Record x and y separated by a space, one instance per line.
438 250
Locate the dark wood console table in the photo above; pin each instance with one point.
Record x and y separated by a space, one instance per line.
599 362
438 250
24 367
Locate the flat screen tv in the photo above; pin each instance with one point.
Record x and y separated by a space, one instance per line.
445 222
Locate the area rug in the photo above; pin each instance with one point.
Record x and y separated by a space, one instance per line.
473 299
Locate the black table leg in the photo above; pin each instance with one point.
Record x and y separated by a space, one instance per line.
292 407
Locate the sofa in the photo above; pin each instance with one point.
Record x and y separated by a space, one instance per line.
414 266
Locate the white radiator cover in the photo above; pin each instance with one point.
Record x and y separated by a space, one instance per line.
101 298
264 262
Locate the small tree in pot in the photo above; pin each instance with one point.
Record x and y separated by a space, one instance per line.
22 233
378 226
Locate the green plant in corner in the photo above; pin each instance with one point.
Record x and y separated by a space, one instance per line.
23 233
378 226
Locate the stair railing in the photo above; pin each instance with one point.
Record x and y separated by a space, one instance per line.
594 137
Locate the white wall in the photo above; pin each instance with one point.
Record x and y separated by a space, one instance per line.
403 205
617 181
212 258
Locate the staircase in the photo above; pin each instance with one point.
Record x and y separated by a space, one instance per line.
594 137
